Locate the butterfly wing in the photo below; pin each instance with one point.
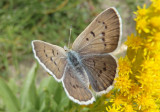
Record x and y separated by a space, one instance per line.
101 70
75 88
101 36
51 57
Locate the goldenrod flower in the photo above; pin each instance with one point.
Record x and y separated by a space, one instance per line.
155 21
113 109
145 102
134 91
141 11
118 100
124 66
151 110
155 4
128 108
123 83
142 25
134 42
137 88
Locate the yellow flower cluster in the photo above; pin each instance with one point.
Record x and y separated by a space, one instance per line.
137 88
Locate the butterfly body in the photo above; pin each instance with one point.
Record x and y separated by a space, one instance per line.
74 60
89 62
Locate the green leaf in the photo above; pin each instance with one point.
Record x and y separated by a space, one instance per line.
8 97
47 90
64 102
29 96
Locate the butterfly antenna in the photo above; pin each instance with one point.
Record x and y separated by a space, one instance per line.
70 31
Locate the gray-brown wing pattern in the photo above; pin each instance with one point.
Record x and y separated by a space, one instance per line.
101 70
75 89
51 57
101 36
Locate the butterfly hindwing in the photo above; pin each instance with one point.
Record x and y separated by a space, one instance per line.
101 70
75 88
51 57
101 36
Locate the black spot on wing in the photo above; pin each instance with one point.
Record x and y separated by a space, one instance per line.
103 39
100 71
104 69
103 33
92 33
87 39
105 27
55 63
51 58
52 51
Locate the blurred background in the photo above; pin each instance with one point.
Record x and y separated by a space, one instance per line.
24 85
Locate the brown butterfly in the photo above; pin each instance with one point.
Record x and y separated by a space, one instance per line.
88 62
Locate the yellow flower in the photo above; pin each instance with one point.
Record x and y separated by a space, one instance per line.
151 110
137 88
145 102
113 109
146 80
124 66
155 37
150 46
142 25
150 64
134 42
155 21
128 108
155 5
118 100
141 11
156 56
123 83
134 91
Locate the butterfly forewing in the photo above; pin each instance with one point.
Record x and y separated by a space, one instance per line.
101 71
101 36
75 89
51 57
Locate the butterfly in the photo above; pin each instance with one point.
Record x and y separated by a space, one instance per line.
88 67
